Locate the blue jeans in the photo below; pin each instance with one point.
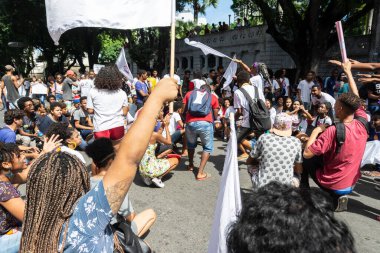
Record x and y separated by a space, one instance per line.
176 137
202 129
10 243
84 133
41 97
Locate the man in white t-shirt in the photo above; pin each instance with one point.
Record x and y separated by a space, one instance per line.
319 97
283 82
176 127
304 89
85 85
242 108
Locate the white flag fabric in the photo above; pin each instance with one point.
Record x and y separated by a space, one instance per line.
230 72
63 15
228 205
122 65
205 49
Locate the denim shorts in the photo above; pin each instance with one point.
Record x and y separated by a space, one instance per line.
202 129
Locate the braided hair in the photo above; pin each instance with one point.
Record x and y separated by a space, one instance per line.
55 183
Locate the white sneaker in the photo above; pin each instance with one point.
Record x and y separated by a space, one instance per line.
147 180
157 181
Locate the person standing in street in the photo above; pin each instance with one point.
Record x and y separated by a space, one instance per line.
9 82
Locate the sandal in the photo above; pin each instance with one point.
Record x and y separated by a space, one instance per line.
373 173
190 168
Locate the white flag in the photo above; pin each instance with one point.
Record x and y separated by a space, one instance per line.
205 49
230 72
228 205
122 65
63 15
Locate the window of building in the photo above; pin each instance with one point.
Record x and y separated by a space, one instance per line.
202 61
185 63
211 61
191 62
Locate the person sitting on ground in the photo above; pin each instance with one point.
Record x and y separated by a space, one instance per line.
288 105
109 104
322 118
336 168
225 110
278 154
50 99
279 105
51 224
299 116
82 120
273 216
102 154
153 168
70 138
29 129
374 138
14 171
55 115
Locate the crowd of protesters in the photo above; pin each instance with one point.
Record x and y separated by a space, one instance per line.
70 208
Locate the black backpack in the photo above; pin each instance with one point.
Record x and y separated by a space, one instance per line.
259 115
341 132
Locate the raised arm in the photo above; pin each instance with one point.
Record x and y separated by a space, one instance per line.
244 66
366 66
346 67
123 169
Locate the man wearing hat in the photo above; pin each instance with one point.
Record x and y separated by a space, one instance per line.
67 87
9 82
278 153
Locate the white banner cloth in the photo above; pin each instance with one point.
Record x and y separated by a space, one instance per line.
228 204
118 14
230 72
205 49
122 65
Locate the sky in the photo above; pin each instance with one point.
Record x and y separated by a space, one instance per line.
214 15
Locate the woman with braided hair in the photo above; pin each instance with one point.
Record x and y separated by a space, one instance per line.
13 170
62 213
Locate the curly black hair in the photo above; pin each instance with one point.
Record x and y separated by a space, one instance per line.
280 218
11 115
21 102
62 129
109 78
101 151
350 102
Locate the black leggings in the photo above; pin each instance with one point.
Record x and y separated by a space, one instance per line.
310 167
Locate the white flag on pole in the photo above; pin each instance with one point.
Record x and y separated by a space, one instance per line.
118 14
228 204
205 49
230 72
122 65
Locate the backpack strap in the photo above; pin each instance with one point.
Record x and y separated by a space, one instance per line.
247 96
340 136
364 122
341 132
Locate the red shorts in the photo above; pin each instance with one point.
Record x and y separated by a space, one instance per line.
114 134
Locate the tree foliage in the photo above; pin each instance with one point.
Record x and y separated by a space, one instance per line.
306 29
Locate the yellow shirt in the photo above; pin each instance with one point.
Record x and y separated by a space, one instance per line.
153 82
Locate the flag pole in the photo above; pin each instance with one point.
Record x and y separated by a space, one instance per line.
172 48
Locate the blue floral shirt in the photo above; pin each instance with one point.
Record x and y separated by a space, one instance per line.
89 226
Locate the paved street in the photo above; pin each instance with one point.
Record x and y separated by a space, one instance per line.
185 207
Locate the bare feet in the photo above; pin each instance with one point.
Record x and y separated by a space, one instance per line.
184 153
203 176
243 157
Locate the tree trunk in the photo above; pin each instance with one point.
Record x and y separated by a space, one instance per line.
162 54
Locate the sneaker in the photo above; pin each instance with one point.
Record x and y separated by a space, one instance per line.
342 204
147 180
157 181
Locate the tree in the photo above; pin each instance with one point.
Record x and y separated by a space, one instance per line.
199 6
306 29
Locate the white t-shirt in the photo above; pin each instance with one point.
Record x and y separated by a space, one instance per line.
305 88
85 86
275 84
174 122
108 108
273 114
324 98
242 103
325 121
258 82
73 152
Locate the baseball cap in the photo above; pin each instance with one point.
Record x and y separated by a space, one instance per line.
282 125
8 67
70 72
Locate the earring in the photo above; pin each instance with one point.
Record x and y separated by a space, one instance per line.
72 145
